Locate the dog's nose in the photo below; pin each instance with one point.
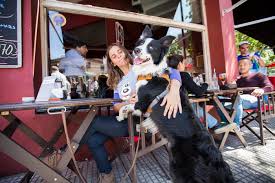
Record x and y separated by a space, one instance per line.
137 50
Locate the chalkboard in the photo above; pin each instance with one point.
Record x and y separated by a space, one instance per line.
10 34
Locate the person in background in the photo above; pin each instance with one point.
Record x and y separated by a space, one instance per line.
257 61
102 128
189 86
73 66
248 100
103 90
74 63
65 85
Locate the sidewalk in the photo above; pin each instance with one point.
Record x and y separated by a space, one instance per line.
256 163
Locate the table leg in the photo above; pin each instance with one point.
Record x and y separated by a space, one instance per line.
66 157
17 123
18 153
223 140
229 119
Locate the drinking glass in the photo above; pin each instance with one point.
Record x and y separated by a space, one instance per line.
222 78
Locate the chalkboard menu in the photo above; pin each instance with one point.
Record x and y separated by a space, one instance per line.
10 34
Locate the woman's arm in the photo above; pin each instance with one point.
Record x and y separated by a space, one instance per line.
190 85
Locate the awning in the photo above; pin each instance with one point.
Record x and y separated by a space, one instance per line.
252 10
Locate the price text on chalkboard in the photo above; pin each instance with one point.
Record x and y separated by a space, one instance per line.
10 34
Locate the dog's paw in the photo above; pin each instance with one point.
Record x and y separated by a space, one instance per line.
137 112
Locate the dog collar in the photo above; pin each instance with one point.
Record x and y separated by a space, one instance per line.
150 76
156 100
145 77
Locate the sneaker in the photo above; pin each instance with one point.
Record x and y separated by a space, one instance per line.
237 129
106 178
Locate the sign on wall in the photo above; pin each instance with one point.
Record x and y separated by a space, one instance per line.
10 34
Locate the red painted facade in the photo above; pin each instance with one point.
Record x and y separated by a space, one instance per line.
221 38
18 83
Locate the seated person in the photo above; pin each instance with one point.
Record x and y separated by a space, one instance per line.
188 85
105 127
248 100
103 91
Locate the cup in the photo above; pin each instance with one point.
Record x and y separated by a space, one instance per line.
222 77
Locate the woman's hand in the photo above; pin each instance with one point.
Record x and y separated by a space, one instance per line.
133 99
172 100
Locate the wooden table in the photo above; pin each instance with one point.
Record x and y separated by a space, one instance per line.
24 157
235 94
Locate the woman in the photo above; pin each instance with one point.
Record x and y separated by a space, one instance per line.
188 85
103 127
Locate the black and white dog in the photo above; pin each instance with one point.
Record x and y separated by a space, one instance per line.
193 156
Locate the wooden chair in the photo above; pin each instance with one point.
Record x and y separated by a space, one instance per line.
146 145
262 114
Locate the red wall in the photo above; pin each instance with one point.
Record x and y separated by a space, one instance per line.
221 38
18 83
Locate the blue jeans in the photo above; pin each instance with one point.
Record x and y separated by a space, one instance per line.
210 119
101 129
245 101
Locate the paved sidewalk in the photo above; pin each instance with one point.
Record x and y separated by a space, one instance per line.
256 163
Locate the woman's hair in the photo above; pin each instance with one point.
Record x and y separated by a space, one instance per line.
114 73
174 60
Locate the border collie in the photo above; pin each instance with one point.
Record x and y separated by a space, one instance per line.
193 156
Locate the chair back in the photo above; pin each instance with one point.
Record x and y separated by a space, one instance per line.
266 106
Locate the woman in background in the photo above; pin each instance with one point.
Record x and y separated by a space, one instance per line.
189 86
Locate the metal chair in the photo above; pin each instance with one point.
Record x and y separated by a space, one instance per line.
264 112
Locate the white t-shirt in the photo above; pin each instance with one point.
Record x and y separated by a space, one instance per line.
126 86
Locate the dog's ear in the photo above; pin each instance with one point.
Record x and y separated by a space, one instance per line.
147 33
166 41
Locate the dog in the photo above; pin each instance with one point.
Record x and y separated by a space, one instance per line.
193 156
153 58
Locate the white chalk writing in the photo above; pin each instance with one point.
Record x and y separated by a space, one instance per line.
7 26
7 49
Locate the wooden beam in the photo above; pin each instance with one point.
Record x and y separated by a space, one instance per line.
44 40
72 1
90 10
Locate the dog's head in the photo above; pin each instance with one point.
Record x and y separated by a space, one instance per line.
149 54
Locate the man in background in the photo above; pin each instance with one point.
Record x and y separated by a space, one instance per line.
74 67
248 100
74 63
257 61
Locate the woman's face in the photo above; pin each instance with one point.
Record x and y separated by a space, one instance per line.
117 56
181 66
